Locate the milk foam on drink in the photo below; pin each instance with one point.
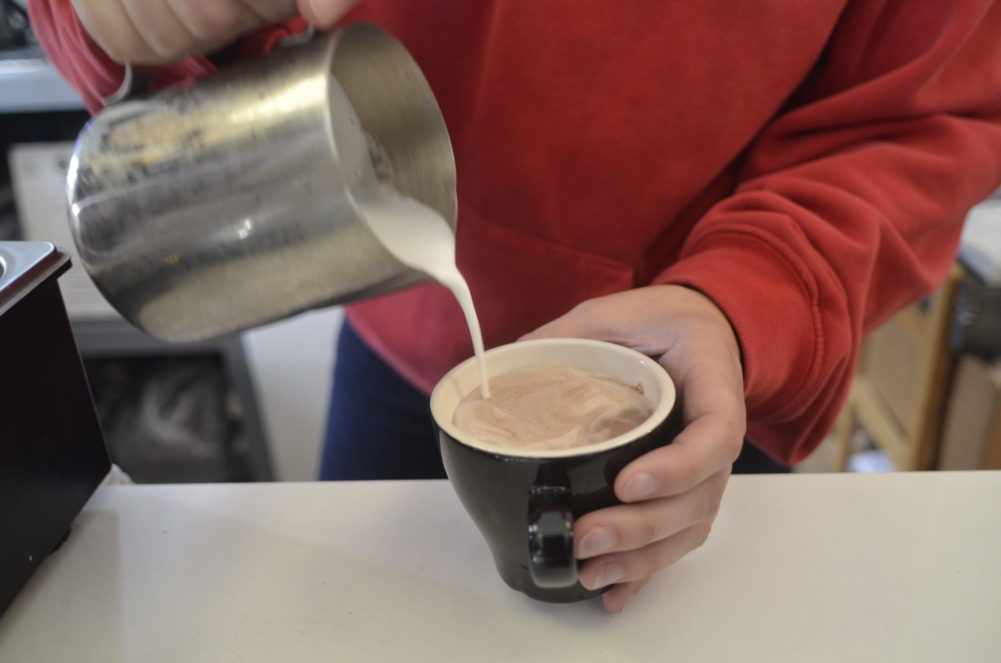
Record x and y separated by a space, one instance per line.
550 407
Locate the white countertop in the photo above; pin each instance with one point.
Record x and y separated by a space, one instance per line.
893 567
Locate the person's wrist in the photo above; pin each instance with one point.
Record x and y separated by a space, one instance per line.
715 311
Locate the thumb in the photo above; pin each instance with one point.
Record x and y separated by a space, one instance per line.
324 13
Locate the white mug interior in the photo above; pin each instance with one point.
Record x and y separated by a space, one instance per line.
616 361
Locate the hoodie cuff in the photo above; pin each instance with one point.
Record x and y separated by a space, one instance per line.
769 302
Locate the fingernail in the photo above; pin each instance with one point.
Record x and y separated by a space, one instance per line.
597 541
608 575
640 487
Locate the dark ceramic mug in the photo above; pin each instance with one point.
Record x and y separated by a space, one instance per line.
524 502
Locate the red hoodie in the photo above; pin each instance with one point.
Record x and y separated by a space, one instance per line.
807 165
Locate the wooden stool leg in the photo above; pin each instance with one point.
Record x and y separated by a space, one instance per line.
844 431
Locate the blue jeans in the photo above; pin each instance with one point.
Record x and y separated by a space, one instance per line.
380 427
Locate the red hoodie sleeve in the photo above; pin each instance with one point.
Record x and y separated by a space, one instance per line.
95 76
850 204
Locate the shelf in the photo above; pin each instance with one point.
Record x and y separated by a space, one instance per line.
30 84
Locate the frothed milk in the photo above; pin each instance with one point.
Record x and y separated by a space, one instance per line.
419 237
552 406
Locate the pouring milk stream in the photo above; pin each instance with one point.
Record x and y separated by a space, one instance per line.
420 238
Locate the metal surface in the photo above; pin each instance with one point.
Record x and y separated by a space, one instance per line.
38 171
24 266
232 203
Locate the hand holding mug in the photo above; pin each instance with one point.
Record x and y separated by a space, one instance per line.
671 494
162 31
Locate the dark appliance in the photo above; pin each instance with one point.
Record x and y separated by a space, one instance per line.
52 452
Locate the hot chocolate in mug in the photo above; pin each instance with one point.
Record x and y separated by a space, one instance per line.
525 501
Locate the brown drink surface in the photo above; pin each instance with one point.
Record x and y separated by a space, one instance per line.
552 406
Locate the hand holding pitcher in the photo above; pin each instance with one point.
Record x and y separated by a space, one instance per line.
162 31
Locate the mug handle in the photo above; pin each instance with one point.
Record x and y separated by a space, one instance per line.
550 537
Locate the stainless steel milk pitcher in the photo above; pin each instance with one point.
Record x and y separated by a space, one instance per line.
231 203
